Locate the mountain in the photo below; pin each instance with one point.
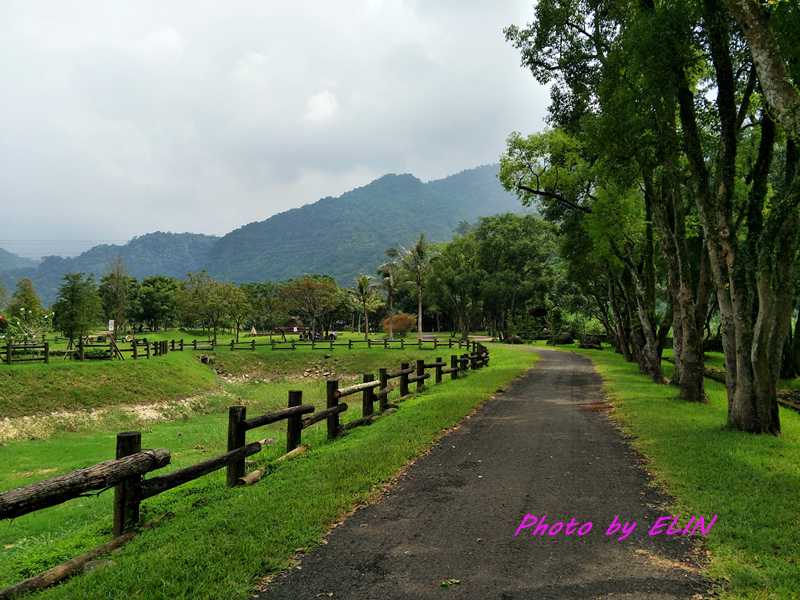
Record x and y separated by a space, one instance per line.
348 235
12 261
159 253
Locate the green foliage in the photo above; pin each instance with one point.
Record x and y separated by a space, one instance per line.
25 296
402 325
156 301
78 308
313 297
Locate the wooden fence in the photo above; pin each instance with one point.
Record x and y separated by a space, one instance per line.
142 348
125 472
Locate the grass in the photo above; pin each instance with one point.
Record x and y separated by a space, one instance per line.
220 542
750 481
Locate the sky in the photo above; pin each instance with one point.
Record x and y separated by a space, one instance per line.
119 118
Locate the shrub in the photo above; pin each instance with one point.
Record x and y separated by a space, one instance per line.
401 324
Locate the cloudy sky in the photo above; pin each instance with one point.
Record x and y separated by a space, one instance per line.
122 118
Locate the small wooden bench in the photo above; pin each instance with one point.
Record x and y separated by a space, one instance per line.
428 338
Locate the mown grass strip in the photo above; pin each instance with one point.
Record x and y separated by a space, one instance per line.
751 482
222 541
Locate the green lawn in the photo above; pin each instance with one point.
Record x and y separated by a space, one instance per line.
221 541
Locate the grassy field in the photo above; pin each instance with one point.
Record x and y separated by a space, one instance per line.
219 542
751 482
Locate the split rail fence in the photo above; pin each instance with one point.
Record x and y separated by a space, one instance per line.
125 472
142 348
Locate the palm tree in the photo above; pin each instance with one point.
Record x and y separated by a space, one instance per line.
390 278
364 293
415 261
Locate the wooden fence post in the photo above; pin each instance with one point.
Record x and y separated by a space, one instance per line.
420 373
81 350
147 345
253 346
384 379
294 425
236 438
333 420
181 344
403 380
47 353
8 353
402 344
438 379
135 350
126 512
349 344
367 397
453 367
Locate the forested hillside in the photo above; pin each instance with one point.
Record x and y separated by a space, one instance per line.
348 235
170 254
12 261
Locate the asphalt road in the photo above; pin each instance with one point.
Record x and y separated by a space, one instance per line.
539 448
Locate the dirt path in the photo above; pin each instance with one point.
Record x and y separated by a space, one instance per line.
534 449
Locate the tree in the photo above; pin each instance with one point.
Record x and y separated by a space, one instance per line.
783 97
24 296
658 61
389 274
364 293
514 256
415 262
312 297
156 300
114 292
205 299
266 304
238 306
78 307
455 281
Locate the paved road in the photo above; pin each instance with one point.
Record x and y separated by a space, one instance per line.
536 450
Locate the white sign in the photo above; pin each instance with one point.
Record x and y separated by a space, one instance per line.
111 325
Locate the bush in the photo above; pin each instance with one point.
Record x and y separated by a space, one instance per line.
401 324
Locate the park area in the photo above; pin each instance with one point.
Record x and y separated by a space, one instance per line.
65 416
206 540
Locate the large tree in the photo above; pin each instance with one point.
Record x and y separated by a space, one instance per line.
78 307
25 297
115 293
364 292
416 262
312 297
660 60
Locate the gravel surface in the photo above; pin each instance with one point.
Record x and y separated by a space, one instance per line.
541 447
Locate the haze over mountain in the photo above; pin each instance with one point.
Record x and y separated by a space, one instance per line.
341 236
170 254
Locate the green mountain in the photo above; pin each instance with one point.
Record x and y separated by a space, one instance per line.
12 261
348 235
170 254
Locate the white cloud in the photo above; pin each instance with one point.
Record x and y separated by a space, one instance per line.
322 106
128 117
